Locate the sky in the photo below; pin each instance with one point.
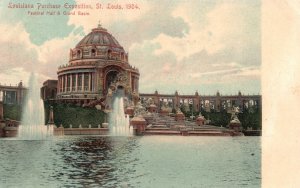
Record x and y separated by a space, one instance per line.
188 46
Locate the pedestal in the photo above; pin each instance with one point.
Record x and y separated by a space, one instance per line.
200 121
60 131
179 117
164 112
129 111
152 108
235 126
51 116
105 125
138 124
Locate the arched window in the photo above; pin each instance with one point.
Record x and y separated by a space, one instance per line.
122 56
53 93
93 53
78 54
109 54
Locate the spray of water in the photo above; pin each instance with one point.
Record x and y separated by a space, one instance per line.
33 117
119 122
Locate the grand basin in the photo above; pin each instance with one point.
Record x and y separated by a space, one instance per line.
148 161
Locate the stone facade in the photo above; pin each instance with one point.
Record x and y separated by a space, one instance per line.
12 94
49 90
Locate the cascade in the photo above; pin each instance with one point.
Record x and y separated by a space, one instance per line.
119 122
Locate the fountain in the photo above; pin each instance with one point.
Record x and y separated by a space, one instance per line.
118 121
33 118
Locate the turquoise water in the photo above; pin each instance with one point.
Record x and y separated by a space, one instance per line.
149 161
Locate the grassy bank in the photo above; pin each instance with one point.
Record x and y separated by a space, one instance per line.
12 111
67 114
249 118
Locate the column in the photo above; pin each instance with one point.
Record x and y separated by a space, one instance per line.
156 99
1 110
196 101
175 101
133 83
76 82
92 81
62 84
57 86
66 82
82 82
4 97
90 88
71 80
1 96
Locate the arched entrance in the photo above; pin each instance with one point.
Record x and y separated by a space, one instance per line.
110 77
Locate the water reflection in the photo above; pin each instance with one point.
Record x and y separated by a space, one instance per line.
154 161
94 162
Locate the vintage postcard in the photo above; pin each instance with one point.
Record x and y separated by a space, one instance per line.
107 93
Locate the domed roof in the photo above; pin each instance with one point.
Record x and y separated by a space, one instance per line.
99 37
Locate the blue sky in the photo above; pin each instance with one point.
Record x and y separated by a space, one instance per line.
188 46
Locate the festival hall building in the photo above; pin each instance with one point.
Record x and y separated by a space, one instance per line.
98 65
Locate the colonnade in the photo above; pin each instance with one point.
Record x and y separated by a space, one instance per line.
76 82
206 103
11 94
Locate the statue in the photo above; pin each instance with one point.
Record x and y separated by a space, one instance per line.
149 102
135 98
235 123
109 92
234 112
139 110
178 111
164 106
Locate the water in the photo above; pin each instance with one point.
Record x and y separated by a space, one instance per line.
119 122
33 118
149 161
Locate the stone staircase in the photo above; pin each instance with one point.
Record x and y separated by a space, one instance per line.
167 125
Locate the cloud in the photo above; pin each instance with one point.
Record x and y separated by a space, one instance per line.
21 56
221 46
39 28
16 49
55 52
228 25
198 70
176 45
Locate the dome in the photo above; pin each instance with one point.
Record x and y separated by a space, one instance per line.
98 44
99 37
